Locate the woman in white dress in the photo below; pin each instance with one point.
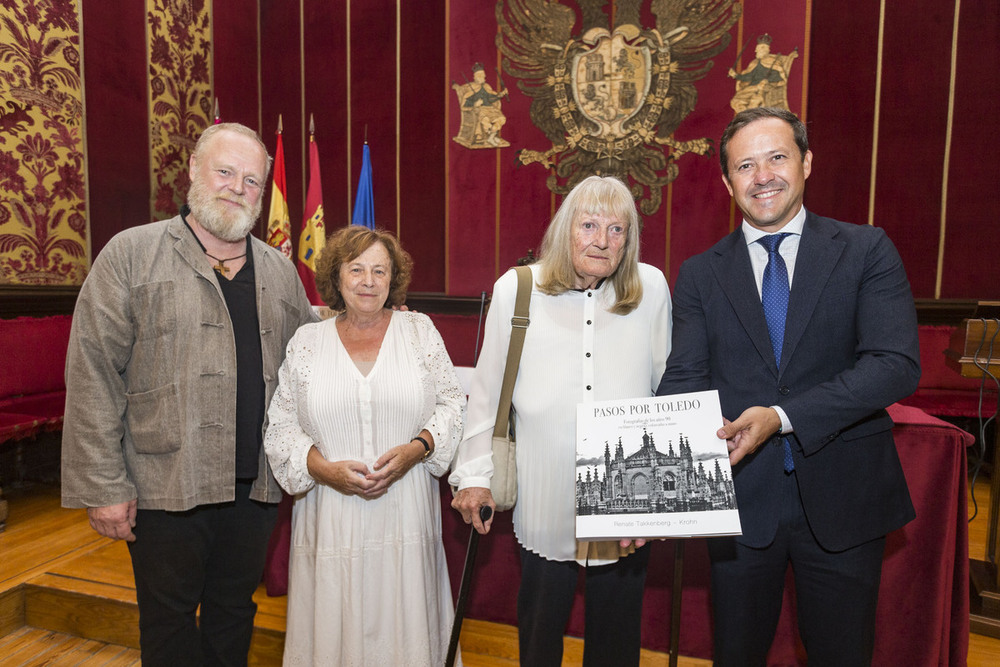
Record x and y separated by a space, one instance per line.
368 412
599 330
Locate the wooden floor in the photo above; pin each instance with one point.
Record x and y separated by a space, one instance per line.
66 598
31 646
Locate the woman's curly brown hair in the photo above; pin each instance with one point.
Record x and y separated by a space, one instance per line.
346 245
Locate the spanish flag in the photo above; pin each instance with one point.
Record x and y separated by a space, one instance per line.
313 237
279 225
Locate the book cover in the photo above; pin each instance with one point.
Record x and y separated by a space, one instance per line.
653 467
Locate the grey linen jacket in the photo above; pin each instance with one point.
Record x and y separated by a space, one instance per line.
151 372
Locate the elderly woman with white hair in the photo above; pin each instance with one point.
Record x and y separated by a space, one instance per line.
600 330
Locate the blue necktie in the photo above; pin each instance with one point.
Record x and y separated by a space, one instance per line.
774 297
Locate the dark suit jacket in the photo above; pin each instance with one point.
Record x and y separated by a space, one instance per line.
850 351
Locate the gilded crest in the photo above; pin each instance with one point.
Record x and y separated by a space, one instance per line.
610 80
610 97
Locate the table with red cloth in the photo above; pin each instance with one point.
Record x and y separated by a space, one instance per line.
923 612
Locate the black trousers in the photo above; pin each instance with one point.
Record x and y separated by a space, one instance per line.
613 610
836 593
212 556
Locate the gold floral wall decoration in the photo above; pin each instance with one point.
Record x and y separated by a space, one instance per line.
179 50
42 168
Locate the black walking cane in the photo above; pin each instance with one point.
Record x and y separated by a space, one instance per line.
485 512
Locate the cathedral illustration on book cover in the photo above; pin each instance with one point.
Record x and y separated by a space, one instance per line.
653 468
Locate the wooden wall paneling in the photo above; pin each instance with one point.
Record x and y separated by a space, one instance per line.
421 142
36 301
114 71
971 242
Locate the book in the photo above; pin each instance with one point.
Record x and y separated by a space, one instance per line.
653 467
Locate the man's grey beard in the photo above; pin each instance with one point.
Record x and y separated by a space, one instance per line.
218 218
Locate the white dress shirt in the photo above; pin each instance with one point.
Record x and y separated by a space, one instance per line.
788 249
575 351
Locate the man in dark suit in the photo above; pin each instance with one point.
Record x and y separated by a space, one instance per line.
806 327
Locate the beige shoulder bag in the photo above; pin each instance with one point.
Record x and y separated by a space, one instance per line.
504 482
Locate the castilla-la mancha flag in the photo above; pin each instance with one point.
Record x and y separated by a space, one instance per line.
313 237
279 225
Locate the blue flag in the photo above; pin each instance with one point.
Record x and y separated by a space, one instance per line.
364 203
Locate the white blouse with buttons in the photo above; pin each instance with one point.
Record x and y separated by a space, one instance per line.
575 351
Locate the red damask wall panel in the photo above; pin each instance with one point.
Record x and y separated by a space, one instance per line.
912 128
116 89
373 103
972 243
234 36
526 205
466 215
326 76
946 246
842 109
114 56
351 50
281 94
473 178
701 211
422 142
498 210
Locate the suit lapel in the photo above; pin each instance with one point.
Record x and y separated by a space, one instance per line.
818 254
731 265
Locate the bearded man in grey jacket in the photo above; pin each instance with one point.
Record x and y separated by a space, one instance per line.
177 337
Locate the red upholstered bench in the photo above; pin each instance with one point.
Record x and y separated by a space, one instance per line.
942 391
32 385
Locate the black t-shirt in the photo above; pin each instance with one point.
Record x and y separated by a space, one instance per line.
241 300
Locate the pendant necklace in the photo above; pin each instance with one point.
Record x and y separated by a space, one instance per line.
221 267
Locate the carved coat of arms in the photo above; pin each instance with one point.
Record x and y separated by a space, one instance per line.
609 97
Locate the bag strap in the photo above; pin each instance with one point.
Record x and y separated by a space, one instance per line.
518 325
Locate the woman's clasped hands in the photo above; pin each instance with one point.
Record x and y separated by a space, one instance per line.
354 478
